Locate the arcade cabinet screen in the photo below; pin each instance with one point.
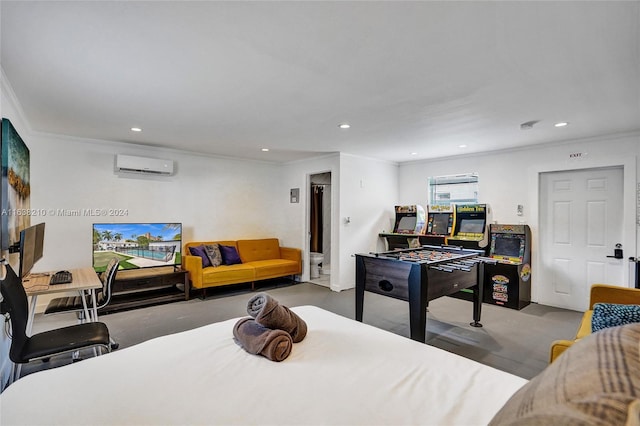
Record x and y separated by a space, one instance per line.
407 225
440 223
472 226
508 246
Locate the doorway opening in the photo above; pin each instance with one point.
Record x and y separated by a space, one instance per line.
320 229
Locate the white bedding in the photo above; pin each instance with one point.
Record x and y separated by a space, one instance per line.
343 373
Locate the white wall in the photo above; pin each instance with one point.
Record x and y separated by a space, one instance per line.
509 178
297 174
369 206
368 194
215 199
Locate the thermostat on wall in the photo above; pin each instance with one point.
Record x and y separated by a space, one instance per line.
294 195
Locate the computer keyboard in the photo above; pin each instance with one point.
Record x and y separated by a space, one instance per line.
61 277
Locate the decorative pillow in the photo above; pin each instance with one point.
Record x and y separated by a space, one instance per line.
594 382
199 251
230 255
213 253
611 315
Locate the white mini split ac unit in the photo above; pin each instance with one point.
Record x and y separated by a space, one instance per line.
143 165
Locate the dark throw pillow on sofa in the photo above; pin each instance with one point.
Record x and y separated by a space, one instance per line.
199 251
612 315
230 255
594 382
213 253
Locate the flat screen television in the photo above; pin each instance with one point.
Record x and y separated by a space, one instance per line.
31 248
39 247
137 245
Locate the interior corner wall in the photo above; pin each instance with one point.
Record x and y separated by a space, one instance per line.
363 190
296 174
505 177
368 194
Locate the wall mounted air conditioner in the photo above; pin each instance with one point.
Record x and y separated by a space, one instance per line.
143 165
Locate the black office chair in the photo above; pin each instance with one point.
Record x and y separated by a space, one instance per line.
74 303
46 344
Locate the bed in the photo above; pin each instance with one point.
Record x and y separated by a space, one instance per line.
343 373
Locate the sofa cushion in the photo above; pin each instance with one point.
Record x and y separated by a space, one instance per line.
273 268
227 274
262 249
595 381
612 314
230 255
213 253
199 251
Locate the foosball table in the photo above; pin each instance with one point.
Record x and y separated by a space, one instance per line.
419 276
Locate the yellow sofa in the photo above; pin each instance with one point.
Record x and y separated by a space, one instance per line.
600 293
262 259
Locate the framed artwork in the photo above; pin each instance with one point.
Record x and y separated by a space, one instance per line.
16 188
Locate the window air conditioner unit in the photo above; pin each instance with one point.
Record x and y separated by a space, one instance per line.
143 165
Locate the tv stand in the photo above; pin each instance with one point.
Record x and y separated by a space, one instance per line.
134 288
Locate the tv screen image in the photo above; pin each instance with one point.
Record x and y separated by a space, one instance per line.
407 225
137 245
440 223
508 246
472 226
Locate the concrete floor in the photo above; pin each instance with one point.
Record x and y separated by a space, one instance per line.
510 340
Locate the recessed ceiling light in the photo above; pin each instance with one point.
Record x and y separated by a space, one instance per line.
462 146
561 124
414 153
136 129
344 126
265 149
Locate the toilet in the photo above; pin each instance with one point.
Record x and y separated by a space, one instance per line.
315 259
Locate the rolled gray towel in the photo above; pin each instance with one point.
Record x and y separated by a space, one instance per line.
270 313
259 340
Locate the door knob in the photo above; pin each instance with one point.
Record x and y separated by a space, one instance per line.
617 252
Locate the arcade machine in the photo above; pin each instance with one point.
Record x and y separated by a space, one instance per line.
406 230
470 226
508 281
439 225
470 231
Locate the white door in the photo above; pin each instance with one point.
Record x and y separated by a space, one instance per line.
580 225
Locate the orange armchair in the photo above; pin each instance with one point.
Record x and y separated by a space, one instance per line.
600 293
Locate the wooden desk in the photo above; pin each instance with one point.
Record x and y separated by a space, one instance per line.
84 279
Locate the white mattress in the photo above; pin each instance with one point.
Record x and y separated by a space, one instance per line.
343 373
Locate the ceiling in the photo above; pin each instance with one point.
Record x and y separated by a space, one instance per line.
415 80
